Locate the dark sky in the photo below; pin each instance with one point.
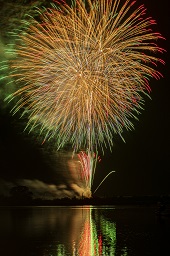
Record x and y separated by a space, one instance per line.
142 164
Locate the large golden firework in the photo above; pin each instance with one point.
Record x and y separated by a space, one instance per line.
83 70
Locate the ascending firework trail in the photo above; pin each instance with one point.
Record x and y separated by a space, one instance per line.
82 71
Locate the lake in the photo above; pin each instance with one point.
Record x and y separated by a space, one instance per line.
83 231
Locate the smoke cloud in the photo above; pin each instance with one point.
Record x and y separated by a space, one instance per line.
45 191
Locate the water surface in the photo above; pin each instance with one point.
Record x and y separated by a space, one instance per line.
84 231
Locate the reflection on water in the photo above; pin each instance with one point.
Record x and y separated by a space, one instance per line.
82 231
97 236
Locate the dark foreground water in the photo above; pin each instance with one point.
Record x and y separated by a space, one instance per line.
87 230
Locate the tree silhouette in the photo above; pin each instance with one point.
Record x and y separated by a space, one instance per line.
21 195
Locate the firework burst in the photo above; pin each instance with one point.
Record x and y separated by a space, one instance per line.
82 72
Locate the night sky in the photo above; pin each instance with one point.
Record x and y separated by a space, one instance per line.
142 164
